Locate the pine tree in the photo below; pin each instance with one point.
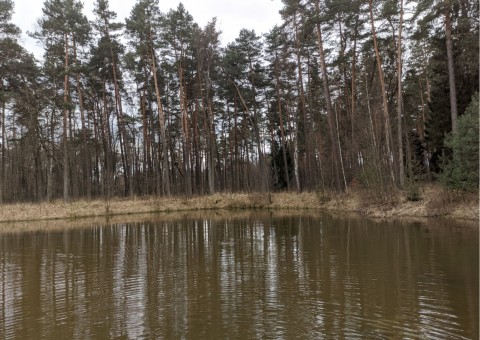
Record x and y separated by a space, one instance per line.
110 50
143 29
61 23
18 81
461 171
177 29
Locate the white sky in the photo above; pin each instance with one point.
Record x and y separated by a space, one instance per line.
232 15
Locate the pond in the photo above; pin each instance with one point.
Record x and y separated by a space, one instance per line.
252 275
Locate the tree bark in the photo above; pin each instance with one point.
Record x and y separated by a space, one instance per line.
256 132
353 88
106 146
161 121
210 122
86 150
282 133
388 127
66 180
340 152
50 155
2 170
146 144
185 134
303 108
293 132
236 169
124 149
401 167
328 103
451 70
211 148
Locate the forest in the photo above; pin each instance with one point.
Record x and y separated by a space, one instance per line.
343 95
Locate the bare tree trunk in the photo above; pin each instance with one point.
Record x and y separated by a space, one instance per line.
342 70
292 137
50 156
106 144
124 149
97 136
388 127
421 133
451 70
256 129
273 151
256 132
236 170
161 122
66 180
401 167
328 102
292 127
211 148
303 108
198 187
146 145
207 114
2 170
374 138
340 151
372 127
353 89
231 142
85 166
210 130
185 134
282 130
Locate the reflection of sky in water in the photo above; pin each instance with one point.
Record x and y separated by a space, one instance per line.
254 277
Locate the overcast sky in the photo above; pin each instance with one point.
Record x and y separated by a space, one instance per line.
232 15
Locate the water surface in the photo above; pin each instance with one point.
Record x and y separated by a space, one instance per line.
260 275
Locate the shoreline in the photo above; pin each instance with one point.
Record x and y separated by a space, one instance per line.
435 203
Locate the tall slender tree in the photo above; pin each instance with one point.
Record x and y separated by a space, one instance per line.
142 28
61 21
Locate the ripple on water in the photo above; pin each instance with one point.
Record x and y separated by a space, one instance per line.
268 279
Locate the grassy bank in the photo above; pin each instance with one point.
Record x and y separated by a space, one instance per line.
434 203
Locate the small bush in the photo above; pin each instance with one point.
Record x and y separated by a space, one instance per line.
413 192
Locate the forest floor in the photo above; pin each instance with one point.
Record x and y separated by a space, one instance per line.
434 202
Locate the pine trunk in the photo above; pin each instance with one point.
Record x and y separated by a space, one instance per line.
185 135
125 152
66 181
386 117
282 130
451 70
2 169
303 109
86 150
401 168
161 121
328 102
107 175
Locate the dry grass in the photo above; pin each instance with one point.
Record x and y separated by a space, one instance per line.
118 206
435 202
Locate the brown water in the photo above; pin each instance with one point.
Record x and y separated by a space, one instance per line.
258 276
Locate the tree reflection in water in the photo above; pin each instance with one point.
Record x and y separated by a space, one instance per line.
254 276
